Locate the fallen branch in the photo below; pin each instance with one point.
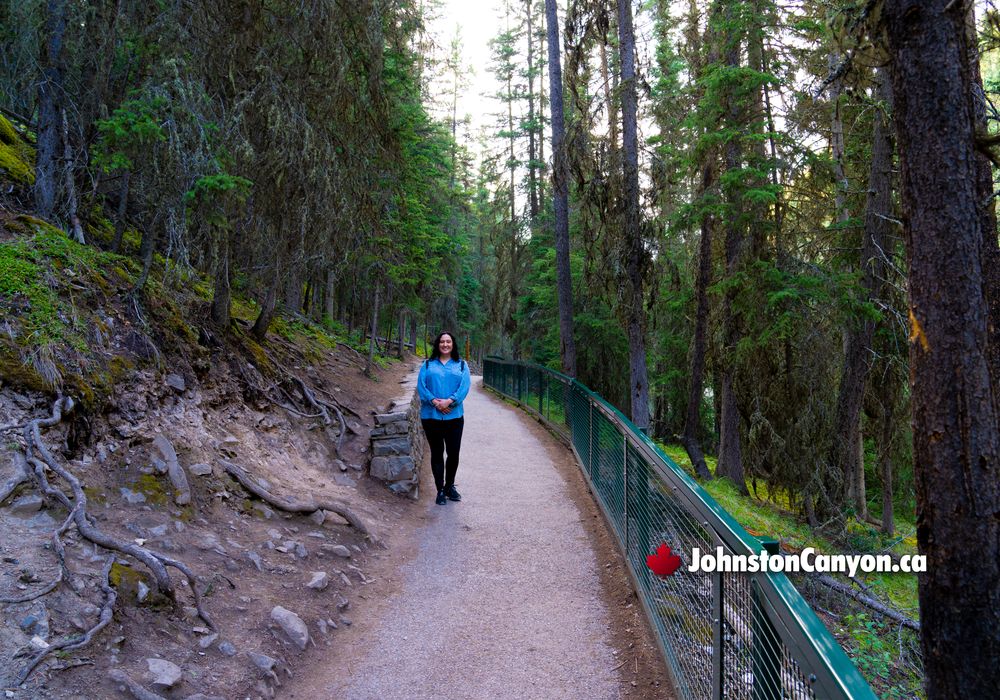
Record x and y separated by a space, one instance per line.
294 505
107 610
869 602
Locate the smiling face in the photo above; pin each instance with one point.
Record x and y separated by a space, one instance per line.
445 345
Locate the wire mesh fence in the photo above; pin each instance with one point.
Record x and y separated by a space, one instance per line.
723 635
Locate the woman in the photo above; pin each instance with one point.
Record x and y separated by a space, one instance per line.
443 385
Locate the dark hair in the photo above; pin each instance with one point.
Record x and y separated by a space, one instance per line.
436 352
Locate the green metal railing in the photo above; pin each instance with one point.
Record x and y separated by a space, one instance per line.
731 635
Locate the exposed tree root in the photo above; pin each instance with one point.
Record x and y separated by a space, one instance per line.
869 602
60 551
294 505
157 563
41 459
20 477
107 610
138 692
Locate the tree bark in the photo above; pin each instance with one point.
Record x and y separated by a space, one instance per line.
370 361
635 261
268 308
730 451
560 194
696 388
846 447
69 165
955 440
120 222
50 92
222 294
533 206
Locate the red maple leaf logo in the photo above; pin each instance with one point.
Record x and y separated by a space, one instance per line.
664 562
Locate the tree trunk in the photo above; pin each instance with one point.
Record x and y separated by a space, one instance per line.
69 165
560 201
885 459
533 207
268 308
331 296
50 95
370 362
402 328
858 342
413 333
120 222
222 296
955 440
635 262
696 389
990 252
730 451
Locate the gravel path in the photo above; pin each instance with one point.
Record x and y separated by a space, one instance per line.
503 598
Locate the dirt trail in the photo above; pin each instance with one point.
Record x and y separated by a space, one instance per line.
502 595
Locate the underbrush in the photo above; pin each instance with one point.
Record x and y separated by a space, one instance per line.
886 653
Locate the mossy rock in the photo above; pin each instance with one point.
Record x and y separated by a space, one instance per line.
17 158
126 580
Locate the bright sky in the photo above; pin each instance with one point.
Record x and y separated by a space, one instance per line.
478 22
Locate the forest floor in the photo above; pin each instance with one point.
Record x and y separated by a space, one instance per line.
249 556
517 591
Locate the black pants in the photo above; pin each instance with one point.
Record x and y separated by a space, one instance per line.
441 434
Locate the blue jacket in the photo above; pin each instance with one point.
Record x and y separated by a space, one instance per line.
438 380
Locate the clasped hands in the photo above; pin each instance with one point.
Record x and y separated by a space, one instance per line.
443 405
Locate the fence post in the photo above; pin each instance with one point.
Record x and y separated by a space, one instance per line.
718 650
765 660
625 492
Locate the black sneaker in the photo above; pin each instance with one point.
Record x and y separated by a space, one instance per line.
441 500
452 493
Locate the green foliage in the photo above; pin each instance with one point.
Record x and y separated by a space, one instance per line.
132 128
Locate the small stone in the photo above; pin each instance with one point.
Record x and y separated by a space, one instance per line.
319 580
39 643
27 504
338 549
345 620
200 469
142 590
262 661
300 550
273 534
256 560
347 581
227 648
323 627
176 382
292 625
343 605
131 496
317 517
158 531
264 511
339 464
331 623
208 641
164 673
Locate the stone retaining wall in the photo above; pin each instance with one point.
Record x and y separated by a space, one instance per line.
398 446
